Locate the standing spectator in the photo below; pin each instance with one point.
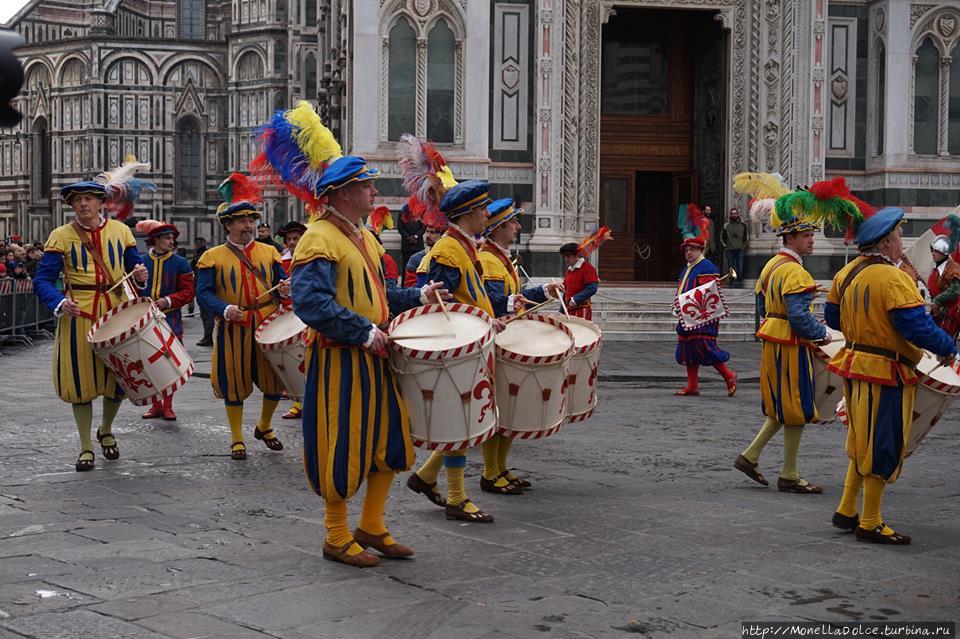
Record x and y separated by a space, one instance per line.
711 248
411 234
3 270
208 319
33 261
265 236
735 239
10 259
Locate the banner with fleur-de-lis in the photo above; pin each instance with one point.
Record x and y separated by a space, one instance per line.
701 305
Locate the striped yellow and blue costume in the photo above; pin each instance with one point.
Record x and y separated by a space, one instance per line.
170 275
882 316
79 376
785 292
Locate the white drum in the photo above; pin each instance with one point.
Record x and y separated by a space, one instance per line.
938 387
828 386
281 340
533 355
445 375
584 365
136 344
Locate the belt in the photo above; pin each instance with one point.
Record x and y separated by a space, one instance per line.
257 307
776 316
882 352
103 288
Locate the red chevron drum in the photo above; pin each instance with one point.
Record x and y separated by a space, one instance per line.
938 387
136 344
828 386
584 368
280 338
444 370
533 358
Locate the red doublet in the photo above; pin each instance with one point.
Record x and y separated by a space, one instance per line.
575 281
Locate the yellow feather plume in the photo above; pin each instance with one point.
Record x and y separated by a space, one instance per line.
446 177
314 139
760 185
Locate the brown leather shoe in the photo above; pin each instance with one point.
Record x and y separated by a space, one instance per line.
799 486
490 486
876 536
361 560
847 524
418 485
391 551
459 513
749 469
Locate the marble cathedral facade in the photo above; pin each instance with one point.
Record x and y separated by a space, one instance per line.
541 97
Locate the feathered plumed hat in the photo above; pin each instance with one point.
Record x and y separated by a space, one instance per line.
592 242
118 188
241 195
154 228
828 202
426 178
380 218
296 150
693 226
763 190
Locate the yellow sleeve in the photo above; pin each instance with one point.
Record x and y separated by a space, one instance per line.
902 292
796 279
833 296
207 260
492 267
447 252
56 243
317 243
126 236
424 266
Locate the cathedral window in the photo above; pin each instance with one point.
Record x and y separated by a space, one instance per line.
311 13
189 160
953 116
190 19
403 80
310 76
926 98
881 94
281 10
41 175
440 83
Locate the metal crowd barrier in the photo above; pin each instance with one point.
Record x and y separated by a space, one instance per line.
22 316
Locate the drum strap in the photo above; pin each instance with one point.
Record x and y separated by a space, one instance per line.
94 251
247 264
469 248
848 280
766 281
357 239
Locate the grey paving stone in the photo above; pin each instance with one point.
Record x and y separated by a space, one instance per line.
193 625
77 623
31 597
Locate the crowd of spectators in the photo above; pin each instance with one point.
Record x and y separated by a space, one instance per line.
19 260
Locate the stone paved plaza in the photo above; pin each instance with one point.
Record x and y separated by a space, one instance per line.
637 526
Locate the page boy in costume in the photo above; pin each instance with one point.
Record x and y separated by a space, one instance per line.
580 281
92 252
291 232
232 283
698 346
944 281
785 292
881 313
170 285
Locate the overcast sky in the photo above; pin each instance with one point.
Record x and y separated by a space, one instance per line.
9 7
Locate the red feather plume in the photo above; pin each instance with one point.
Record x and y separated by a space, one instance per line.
593 241
242 189
377 218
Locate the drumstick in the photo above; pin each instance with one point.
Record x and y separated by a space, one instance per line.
433 336
122 280
530 310
563 304
443 307
270 290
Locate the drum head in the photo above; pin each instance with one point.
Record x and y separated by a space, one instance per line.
280 327
584 331
122 320
944 374
461 329
534 338
835 345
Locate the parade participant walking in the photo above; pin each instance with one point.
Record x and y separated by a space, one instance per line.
882 316
735 238
170 284
353 430
697 347
93 253
291 232
502 283
580 281
944 281
233 283
785 292
454 261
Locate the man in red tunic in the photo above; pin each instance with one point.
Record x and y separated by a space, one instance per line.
580 281
944 287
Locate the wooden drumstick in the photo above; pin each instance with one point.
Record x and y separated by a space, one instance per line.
443 307
563 304
394 338
530 310
122 280
270 290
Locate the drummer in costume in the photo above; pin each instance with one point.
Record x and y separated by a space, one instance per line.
944 281
170 285
785 292
232 283
502 283
93 253
454 261
580 281
355 424
291 232
698 346
882 316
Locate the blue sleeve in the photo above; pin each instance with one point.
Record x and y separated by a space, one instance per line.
447 274
801 319
918 327
45 280
131 257
588 291
422 279
498 297
278 273
414 262
391 283
535 294
207 293
402 299
831 313
314 301
761 305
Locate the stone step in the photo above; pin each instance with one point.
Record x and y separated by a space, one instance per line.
671 336
651 325
604 316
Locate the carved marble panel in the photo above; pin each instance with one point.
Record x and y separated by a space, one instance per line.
510 76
